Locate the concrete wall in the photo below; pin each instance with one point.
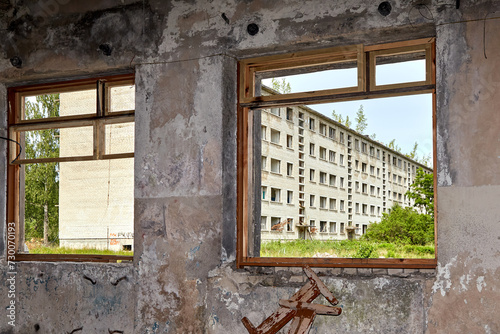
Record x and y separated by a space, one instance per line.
184 54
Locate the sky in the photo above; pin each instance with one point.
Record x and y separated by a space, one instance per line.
407 119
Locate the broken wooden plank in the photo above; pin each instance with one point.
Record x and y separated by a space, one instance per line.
302 322
320 285
318 308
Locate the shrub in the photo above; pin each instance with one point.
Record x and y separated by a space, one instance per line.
402 226
364 251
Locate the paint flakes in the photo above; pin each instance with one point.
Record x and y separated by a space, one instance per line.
480 283
443 279
464 282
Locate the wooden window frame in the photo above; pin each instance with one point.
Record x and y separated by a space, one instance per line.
97 120
366 89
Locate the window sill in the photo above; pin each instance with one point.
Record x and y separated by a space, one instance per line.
74 258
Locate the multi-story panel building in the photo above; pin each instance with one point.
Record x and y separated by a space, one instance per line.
320 179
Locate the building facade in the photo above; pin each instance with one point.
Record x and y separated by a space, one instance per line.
320 178
96 197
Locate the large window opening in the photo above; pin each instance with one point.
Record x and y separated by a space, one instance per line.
380 120
71 189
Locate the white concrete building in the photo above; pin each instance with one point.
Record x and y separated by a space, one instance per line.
96 197
320 178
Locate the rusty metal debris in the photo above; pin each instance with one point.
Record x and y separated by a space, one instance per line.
299 308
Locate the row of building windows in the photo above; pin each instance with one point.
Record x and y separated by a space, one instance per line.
324 202
324 129
287 224
374 210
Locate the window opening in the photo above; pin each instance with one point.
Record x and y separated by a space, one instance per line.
370 88
71 190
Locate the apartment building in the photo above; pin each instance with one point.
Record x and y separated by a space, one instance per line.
96 196
320 179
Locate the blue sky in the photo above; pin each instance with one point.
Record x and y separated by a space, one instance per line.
406 119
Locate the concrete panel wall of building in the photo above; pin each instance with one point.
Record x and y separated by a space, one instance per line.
314 184
96 203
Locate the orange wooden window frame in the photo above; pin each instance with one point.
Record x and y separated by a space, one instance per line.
16 124
366 89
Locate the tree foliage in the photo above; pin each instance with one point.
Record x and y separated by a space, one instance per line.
393 146
361 121
347 122
281 86
42 179
425 160
422 192
402 226
337 117
413 153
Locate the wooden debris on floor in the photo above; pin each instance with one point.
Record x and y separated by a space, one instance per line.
299 308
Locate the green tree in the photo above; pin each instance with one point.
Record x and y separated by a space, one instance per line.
422 192
393 146
337 117
425 160
42 179
347 122
281 86
402 226
361 121
413 153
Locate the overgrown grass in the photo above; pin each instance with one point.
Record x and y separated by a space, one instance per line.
345 249
65 250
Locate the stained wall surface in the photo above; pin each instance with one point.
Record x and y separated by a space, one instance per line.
184 55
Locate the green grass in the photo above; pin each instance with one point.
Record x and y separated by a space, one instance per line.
344 249
65 250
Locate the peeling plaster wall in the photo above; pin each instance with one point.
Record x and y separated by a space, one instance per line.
184 55
469 177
